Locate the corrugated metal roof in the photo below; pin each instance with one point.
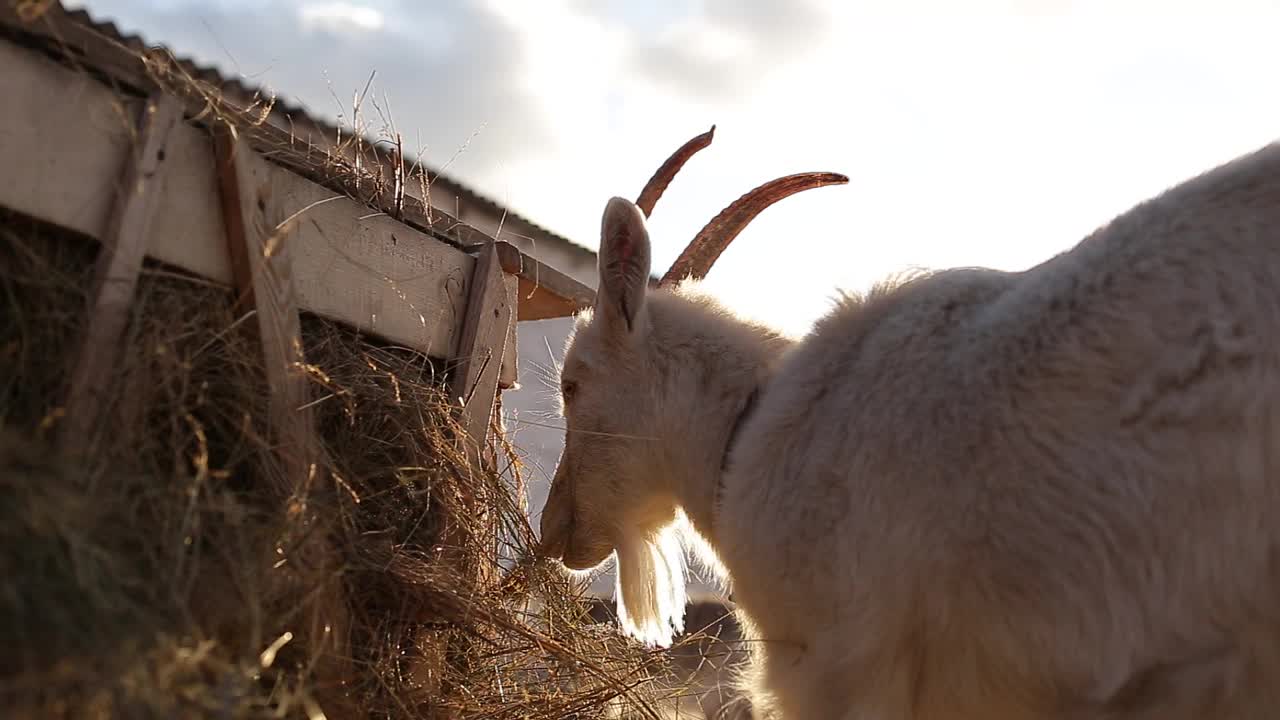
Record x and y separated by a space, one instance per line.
292 115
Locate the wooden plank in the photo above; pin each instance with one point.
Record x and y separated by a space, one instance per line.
508 374
259 242
371 273
44 153
544 291
545 295
474 379
83 45
538 303
260 238
124 242
487 324
70 136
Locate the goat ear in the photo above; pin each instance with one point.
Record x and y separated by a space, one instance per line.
623 263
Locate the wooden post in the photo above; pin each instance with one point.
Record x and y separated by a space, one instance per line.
509 373
473 384
481 347
259 226
257 243
124 245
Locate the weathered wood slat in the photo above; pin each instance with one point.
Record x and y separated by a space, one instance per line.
546 294
124 242
507 373
544 291
261 237
482 345
474 379
123 65
259 243
70 135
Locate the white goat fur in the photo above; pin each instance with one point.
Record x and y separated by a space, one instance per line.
968 493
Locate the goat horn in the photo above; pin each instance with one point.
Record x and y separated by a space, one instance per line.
712 240
662 178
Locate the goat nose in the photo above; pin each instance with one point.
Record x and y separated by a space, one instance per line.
552 548
555 538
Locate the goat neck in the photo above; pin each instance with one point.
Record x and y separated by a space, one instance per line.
714 364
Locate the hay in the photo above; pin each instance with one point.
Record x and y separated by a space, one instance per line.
175 572
162 575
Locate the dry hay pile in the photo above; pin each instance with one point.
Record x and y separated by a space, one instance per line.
176 570
164 576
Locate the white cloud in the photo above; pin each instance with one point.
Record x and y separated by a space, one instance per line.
340 17
996 137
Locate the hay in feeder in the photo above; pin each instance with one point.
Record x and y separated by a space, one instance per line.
177 570
164 575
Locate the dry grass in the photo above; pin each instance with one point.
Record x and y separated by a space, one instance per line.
175 571
162 576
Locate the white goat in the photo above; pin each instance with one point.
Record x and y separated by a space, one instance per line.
966 494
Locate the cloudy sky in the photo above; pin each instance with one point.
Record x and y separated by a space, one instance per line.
996 136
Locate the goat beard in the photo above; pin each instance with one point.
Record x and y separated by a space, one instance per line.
650 586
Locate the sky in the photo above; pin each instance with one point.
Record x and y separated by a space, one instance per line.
997 136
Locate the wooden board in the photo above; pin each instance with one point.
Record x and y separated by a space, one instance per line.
118 266
556 297
260 241
89 48
507 373
68 138
544 291
485 328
